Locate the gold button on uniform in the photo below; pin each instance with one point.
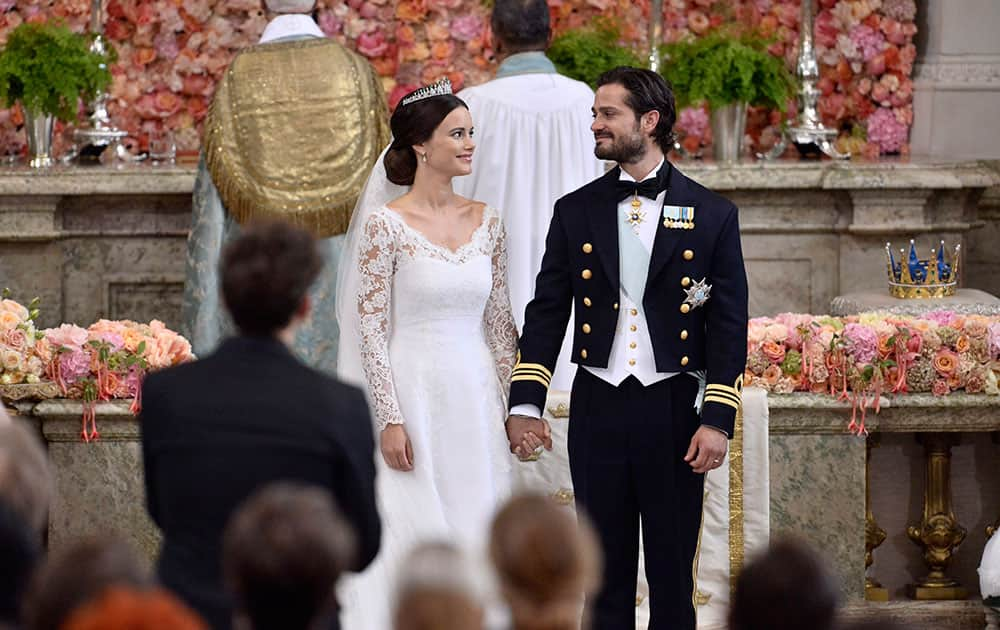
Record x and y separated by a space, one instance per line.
632 328
583 353
684 335
688 254
587 248
685 281
631 361
634 312
632 345
685 308
586 301
586 329
586 275
684 360
615 306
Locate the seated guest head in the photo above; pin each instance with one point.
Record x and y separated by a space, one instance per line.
520 26
266 275
20 551
25 479
634 110
546 559
438 589
75 575
123 607
786 588
283 551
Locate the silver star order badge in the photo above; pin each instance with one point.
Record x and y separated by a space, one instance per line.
698 294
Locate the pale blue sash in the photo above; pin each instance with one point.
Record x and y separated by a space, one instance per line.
634 263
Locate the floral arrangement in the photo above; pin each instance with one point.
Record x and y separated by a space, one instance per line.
585 54
19 361
48 68
108 360
860 358
172 52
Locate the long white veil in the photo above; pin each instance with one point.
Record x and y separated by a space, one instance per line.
377 192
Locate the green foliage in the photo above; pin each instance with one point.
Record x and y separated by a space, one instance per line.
48 68
585 54
722 69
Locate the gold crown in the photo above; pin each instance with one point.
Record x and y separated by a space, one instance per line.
932 277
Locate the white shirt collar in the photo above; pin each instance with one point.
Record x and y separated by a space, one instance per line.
289 26
628 178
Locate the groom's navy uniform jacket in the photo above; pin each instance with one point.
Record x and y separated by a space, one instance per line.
627 440
580 267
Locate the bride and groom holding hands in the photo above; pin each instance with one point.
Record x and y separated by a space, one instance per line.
649 263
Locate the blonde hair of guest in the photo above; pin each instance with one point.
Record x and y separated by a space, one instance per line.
547 560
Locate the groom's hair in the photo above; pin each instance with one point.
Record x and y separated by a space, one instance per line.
647 91
521 25
266 273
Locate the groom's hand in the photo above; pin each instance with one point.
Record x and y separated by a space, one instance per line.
707 450
525 434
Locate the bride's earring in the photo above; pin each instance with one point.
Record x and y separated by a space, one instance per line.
423 158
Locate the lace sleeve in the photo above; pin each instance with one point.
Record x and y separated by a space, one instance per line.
377 265
498 320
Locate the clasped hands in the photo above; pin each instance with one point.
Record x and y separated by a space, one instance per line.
526 435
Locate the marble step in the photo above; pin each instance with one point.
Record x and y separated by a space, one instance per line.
954 615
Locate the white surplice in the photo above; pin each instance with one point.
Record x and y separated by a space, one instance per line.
534 145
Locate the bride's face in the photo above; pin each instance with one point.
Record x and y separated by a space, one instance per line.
449 149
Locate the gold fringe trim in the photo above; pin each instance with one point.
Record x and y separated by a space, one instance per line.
737 543
314 178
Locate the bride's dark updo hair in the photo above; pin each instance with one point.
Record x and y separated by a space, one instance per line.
412 124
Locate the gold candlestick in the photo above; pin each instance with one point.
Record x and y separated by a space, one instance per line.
655 33
939 532
874 535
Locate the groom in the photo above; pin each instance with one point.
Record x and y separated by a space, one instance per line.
652 262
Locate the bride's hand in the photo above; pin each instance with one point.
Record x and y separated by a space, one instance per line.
396 448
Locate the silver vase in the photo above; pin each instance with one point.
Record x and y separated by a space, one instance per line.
729 124
38 128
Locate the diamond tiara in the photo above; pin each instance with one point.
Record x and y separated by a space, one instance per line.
440 88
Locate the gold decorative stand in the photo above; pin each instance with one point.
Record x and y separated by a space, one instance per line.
938 532
874 535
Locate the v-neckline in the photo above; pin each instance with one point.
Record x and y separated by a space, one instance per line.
438 246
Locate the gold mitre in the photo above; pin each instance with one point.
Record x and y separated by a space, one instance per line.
293 132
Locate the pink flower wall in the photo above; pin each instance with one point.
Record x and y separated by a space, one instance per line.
172 52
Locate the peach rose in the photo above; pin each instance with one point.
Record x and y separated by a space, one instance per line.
771 375
962 344
774 352
16 339
10 360
34 366
16 308
9 321
945 362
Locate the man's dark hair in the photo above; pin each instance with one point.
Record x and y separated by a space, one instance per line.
265 274
282 553
20 551
521 25
787 588
647 91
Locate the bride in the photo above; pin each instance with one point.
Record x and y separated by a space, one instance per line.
426 327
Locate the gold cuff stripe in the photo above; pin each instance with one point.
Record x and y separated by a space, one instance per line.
523 370
717 387
730 397
530 377
533 366
723 401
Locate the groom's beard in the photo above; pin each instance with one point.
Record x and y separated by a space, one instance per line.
623 149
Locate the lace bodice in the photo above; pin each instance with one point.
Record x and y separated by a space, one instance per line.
409 284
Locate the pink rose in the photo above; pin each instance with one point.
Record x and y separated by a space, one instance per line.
372 44
15 339
940 387
67 335
465 28
775 352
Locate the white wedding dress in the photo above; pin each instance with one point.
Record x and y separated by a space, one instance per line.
437 346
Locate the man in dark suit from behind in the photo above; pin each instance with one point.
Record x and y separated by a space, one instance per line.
217 429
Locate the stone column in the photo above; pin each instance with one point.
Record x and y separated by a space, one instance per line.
957 79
